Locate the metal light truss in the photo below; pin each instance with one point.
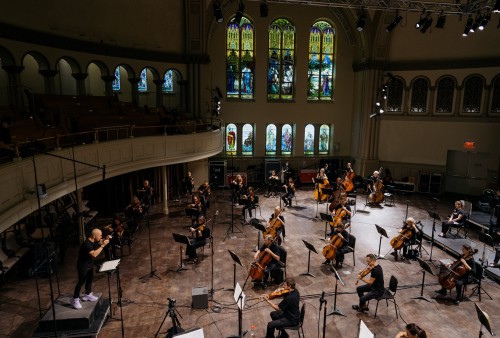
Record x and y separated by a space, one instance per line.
452 7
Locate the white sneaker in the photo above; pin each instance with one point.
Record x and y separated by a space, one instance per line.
90 298
75 302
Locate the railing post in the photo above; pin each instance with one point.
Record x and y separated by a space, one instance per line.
96 136
58 142
132 131
164 130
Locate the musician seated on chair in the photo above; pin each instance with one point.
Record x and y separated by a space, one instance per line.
409 239
147 193
118 234
344 246
343 209
289 192
204 194
273 180
249 198
136 211
278 223
412 330
456 219
271 248
200 233
237 188
286 313
374 286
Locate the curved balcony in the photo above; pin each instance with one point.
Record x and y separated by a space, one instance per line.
120 149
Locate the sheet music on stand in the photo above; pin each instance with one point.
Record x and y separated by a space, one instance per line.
192 333
364 331
109 265
240 301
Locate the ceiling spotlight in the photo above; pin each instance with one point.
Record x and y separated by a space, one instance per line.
441 21
374 114
239 13
485 21
426 25
377 104
361 21
496 8
476 23
218 12
395 22
468 26
263 9
423 19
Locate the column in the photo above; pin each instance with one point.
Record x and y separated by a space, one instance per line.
48 77
134 81
165 189
159 91
108 84
432 99
183 94
80 83
15 90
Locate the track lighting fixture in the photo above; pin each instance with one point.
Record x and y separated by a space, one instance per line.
218 12
263 9
239 13
395 22
426 24
423 19
496 8
484 21
468 26
476 23
361 21
440 21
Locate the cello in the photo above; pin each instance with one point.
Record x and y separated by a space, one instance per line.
258 267
274 225
337 196
398 241
377 194
330 250
318 194
459 268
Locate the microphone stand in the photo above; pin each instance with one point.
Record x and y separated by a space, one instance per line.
433 228
321 301
152 272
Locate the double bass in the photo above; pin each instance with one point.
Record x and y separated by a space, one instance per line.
377 194
330 250
459 268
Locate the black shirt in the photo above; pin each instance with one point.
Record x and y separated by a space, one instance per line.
345 235
347 206
378 274
290 306
274 248
459 212
84 257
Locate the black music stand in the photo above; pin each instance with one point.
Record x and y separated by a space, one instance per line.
327 218
435 217
318 181
152 271
425 268
334 310
257 225
181 239
110 267
484 319
310 247
236 260
383 233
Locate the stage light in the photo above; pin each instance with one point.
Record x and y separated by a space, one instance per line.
263 9
441 21
468 26
485 21
361 21
476 23
496 8
423 19
377 104
239 13
218 12
426 25
395 22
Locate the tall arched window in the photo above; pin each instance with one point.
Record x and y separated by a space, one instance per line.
495 96
445 95
116 81
281 60
324 139
321 72
240 61
286 139
395 96
309 140
247 140
168 84
473 91
271 139
143 81
231 135
419 92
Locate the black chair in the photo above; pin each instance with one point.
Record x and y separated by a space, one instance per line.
352 247
389 294
255 206
279 272
299 327
460 226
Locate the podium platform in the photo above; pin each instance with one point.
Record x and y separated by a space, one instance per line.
70 322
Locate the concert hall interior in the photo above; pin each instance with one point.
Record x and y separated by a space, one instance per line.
160 154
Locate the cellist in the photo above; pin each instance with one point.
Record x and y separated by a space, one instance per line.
278 221
375 187
344 246
341 214
409 231
271 248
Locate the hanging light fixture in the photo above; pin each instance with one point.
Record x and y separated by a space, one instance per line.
361 20
496 8
239 13
441 21
264 10
426 24
218 12
468 26
395 22
484 22
423 19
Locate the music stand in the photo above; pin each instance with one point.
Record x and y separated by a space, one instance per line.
382 232
239 298
435 217
327 218
257 225
318 181
181 239
236 260
425 268
110 267
484 319
334 310
310 247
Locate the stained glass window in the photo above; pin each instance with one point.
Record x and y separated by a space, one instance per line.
143 81
473 91
231 134
286 139
445 94
324 139
309 140
495 96
271 139
116 81
321 71
395 95
168 84
419 92
281 60
247 140
240 62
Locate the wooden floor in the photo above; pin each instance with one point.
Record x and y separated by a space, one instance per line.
145 302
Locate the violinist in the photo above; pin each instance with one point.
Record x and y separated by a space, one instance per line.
278 220
117 234
287 171
198 207
147 193
237 188
286 313
467 262
344 246
374 286
456 219
289 192
272 249
272 182
341 214
189 183
412 330
249 198
135 210
204 192
200 234
409 231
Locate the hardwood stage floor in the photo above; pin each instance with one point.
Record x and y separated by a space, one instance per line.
145 302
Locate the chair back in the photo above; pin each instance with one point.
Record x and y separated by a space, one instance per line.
393 285
283 254
256 199
352 242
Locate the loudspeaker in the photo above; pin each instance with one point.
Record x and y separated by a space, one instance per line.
199 298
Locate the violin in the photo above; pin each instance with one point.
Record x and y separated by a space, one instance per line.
330 250
363 273
279 292
274 225
459 268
